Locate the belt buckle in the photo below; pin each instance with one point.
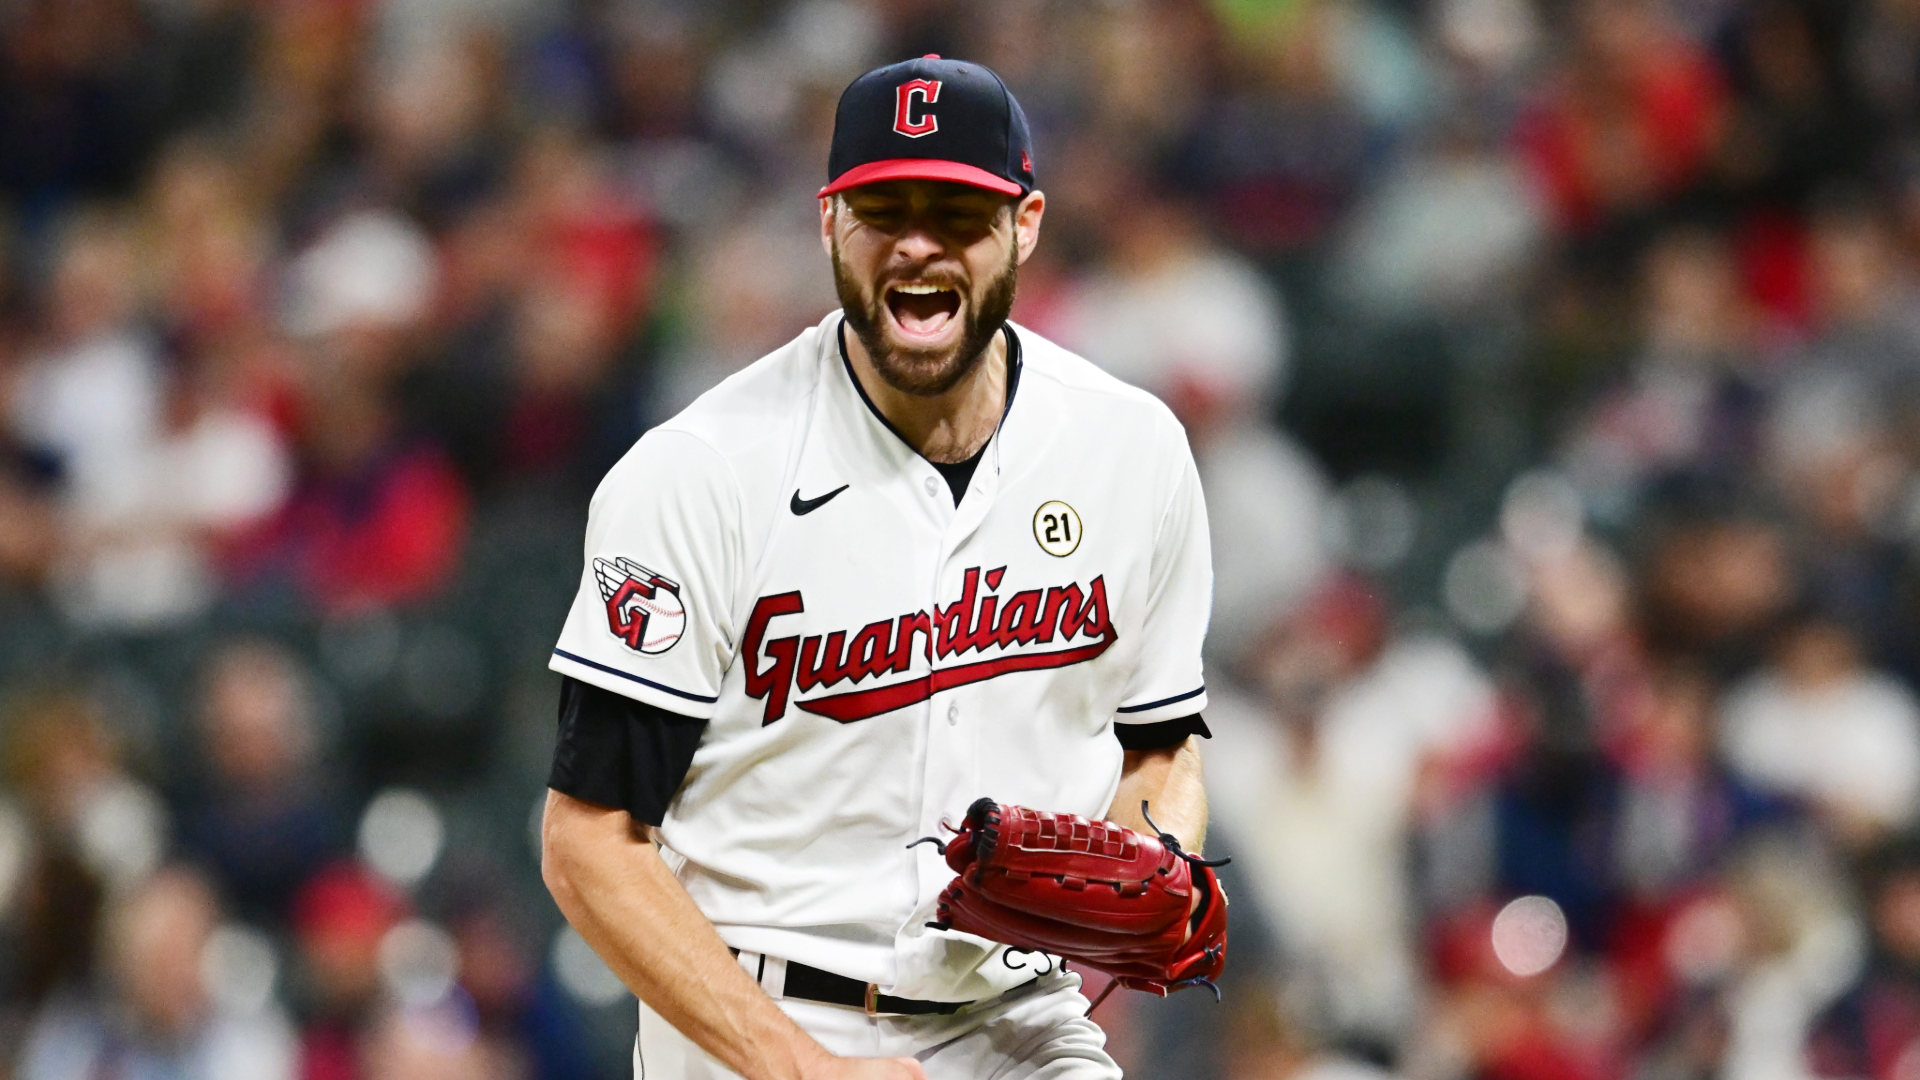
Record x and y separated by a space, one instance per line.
873 999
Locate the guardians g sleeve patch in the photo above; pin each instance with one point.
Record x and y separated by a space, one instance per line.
644 609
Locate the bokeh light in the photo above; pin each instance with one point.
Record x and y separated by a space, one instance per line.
240 968
1529 935
419 962
400 835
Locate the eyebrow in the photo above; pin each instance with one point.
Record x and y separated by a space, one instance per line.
982 204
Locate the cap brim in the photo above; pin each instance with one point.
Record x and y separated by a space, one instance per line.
874 172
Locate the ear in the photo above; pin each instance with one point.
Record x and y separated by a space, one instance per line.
826 224
1026 223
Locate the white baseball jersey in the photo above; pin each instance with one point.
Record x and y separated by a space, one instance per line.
871 658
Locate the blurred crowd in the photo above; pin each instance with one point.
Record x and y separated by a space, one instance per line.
1552 367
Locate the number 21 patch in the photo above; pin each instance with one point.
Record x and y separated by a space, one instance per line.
1057 528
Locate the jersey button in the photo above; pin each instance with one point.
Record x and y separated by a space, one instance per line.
953 713
932 485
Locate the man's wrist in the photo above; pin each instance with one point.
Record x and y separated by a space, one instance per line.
790 1054
806 1058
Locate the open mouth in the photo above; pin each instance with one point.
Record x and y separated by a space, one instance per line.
923 310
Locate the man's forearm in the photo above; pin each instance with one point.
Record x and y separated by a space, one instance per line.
1170 782
617 892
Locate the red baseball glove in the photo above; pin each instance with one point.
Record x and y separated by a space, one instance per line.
1131 905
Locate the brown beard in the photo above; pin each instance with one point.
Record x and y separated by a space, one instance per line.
913 371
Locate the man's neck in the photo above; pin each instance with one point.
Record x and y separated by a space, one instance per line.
948 428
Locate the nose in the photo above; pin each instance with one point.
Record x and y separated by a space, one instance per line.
918 243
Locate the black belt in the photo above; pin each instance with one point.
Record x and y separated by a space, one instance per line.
811 984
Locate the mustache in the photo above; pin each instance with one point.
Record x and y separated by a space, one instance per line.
958 282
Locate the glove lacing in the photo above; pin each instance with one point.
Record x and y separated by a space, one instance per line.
1172 843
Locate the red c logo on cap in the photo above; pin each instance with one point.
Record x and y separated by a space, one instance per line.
903 121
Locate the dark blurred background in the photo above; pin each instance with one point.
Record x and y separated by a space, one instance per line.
1553 368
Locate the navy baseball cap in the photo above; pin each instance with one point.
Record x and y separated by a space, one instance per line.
930 119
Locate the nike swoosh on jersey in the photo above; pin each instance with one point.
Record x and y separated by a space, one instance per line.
802 507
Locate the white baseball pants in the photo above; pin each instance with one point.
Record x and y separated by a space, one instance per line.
1039 1031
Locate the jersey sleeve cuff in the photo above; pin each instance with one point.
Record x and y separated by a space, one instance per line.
1166 707
1163 735
625 683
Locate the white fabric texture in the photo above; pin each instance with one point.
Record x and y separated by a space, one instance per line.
1037 1032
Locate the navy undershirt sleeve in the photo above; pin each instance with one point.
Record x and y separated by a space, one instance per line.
1161 735
617 752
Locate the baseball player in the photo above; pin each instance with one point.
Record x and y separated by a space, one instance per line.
919 573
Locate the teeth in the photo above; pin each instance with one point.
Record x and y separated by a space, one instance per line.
922 290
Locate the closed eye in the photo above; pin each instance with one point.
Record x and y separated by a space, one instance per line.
884 215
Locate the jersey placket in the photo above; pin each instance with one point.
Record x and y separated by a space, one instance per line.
921 495
943 746
952 755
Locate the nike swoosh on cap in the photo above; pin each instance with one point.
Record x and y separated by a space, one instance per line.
801 507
